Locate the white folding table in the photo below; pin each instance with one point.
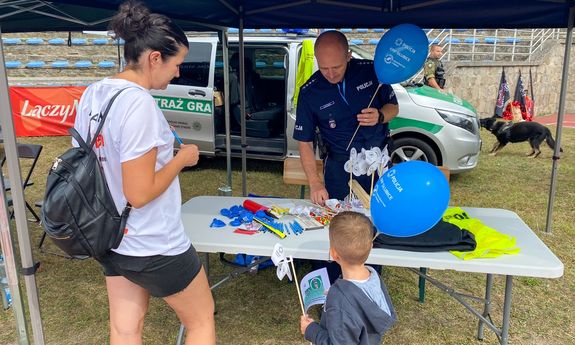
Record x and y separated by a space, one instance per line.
534 259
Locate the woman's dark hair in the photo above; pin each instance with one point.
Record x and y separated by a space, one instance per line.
142 30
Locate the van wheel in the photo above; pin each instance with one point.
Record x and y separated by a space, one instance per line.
408 149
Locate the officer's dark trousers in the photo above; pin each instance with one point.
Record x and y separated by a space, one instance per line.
337 184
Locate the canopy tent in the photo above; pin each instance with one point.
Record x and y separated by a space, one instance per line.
76 15
35 15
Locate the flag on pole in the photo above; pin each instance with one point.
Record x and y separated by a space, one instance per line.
283 262
503 95
314 287
530 104
520 97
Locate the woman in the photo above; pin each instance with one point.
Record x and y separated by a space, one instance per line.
135 149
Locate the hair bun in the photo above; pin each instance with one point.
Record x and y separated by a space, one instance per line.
132 20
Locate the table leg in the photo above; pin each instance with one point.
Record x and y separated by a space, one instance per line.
302 192
422 285
506 310
486 305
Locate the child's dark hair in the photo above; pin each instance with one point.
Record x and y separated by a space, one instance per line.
351 235
142 30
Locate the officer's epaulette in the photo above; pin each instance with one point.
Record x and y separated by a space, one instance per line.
363 62
308 83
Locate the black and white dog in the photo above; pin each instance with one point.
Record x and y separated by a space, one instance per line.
515 132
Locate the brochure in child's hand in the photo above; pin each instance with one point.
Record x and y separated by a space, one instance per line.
314 287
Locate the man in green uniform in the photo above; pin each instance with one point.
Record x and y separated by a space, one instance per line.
433 72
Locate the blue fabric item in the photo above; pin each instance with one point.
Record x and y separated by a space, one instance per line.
373 41
236 222
491 40
216 223
346 30
362 30
245 260
356 41
246 216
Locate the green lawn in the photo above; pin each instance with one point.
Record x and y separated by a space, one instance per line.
262 310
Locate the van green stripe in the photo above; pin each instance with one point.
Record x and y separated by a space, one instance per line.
400 122
434 93
196 106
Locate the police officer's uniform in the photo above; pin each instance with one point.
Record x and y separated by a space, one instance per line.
333 108
434 68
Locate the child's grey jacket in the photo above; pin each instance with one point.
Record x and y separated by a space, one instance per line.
350 317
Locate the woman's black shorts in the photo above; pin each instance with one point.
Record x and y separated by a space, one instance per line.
161 275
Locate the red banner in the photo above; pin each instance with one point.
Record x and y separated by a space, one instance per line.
44 111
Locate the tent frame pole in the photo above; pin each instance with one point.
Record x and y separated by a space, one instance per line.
23 235
560 116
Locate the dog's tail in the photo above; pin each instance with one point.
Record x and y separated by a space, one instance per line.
550 142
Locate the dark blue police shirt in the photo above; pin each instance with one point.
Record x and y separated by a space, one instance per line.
321 105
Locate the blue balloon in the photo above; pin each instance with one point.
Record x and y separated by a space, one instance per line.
409 199
400 53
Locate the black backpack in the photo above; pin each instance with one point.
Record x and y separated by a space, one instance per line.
78 212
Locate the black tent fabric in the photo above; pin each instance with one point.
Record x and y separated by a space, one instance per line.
70 15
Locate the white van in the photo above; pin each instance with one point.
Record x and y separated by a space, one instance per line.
439 128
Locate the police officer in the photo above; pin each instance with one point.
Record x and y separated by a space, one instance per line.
335 100
433 72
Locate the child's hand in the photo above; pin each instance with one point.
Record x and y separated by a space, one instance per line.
304 322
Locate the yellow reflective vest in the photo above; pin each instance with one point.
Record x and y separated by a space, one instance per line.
490 242
304 67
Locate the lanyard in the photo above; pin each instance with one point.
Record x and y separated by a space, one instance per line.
341 89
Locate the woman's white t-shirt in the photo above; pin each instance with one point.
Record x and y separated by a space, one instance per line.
133 127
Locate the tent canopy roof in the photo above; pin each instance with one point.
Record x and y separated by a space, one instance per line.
36 15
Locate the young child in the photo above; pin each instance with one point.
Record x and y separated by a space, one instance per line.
358 309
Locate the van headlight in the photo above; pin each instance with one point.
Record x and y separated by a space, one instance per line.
460 120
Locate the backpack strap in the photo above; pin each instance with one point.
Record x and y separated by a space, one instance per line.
92 141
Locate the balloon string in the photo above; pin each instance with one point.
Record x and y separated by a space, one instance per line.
369 105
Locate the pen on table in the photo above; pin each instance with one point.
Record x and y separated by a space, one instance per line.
178 139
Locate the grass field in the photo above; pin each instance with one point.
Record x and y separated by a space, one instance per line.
262 310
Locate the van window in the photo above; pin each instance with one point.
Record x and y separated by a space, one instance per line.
195 70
